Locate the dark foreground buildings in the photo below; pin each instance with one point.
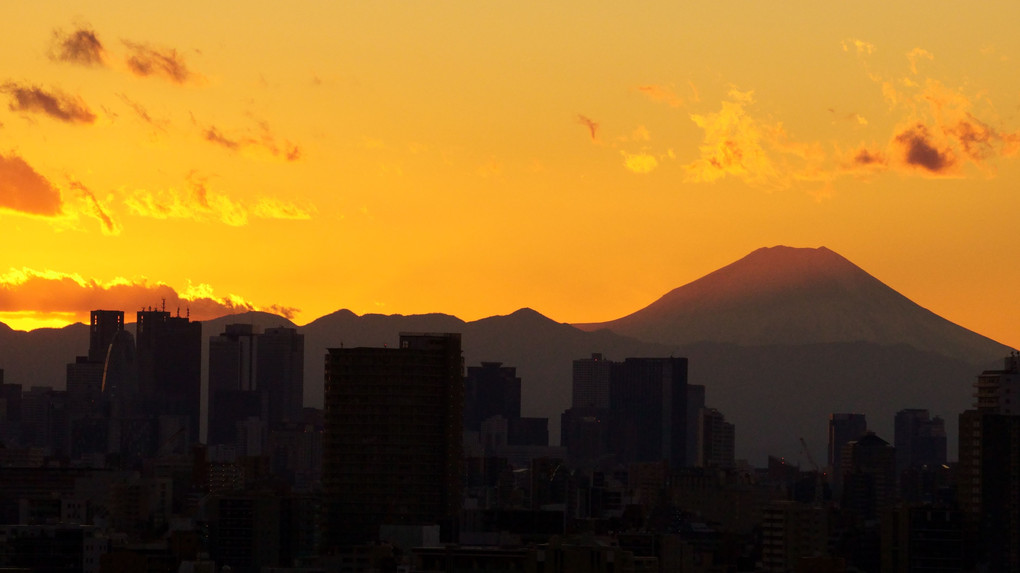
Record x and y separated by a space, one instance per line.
392 438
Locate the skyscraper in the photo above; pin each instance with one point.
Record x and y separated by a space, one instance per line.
103 327
392 437
919 439
989 467
648 410
232 373
491 390
716 439
590 386
280 367
169 359
843 428
254 375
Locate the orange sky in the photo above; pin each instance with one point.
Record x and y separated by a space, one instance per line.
474 158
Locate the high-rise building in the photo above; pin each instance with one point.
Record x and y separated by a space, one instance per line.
169 359
491 390
716 439
869 476
254 375
695 402
591 382
989 467
232 372
648 410
280 364
103 327
843 428
630 411
392 437
919 439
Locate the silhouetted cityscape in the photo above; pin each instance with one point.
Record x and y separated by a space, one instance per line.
418 463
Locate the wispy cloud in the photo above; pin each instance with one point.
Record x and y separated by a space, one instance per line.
859 46
641 163
56 104
662 94
24 190
270 208
592 125
144 60
143 113
81 47
29 290
915 55
94 208
259 139
199 203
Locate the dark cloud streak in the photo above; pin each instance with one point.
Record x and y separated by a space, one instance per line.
145 61
60 106
591 124
80 47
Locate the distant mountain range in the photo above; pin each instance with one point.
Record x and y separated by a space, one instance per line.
780 338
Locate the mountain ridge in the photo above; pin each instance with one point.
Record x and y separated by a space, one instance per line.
774 389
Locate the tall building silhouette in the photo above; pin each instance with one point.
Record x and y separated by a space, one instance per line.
920 440
392 437
843 428
103 327
590 382
280 365
989 467
630 411
254 375
232 373
169 359
716 440
491 390
648 410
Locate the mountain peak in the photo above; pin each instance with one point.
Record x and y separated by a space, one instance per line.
789 296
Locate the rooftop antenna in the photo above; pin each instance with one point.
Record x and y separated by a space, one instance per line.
164 305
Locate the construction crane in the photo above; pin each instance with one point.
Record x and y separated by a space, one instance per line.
818 471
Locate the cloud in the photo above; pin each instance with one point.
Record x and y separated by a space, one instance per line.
47 292
592 126
81 47
201 204
143 114
915 55
91 206
733 144
24 190
60 106
865 157
641 163
270 208
661 94
860 46
919 150
144 60
255 141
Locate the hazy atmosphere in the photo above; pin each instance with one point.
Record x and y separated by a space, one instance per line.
473 159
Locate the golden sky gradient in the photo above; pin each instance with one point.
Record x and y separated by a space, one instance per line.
472 158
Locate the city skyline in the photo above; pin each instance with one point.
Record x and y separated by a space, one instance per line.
581 161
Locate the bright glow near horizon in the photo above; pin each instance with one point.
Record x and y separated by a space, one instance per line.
474 158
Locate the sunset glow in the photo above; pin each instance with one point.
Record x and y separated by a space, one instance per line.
474 158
